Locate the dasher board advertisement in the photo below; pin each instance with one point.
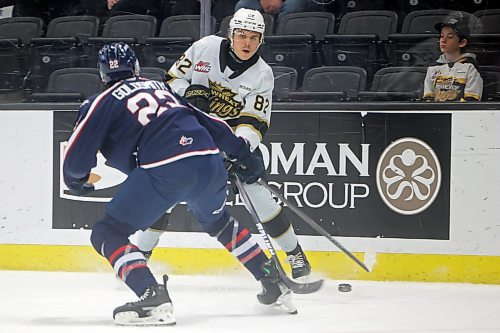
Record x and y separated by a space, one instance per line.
380 174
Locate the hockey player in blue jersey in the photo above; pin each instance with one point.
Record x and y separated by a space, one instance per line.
171 153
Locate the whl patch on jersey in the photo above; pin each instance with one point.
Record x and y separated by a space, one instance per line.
202 66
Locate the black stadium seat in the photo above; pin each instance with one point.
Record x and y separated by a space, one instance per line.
359 40
131 29
70 85
138 27
397 83
423 21
331 83
488 22
15 34
285 81
317 24
345 79
296 51
183 26
378 22
413 49
294 43
491 82
61 47
81 27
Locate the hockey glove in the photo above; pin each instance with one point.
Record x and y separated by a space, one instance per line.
199 96
250 165
82 190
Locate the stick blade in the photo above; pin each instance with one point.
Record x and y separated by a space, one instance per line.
303 288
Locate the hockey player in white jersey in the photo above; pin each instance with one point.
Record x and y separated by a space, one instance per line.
227 78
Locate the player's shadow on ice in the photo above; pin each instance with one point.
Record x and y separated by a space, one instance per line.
182 319
190 320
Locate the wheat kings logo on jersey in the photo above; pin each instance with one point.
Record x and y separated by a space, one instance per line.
222 101
408 176
448 88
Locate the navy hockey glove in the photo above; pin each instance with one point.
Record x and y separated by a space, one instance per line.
199 96
82 190
250 165
81 187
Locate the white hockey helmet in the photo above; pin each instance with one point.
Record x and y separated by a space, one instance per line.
247 19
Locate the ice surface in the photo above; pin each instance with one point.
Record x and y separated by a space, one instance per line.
83 302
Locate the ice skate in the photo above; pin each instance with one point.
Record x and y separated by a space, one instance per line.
274 292
154 308
301 269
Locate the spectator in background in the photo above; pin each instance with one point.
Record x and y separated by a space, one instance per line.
275 7
219 8
126 7
455 77
97 8
107 8
46 9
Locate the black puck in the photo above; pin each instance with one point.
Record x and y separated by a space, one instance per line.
345 287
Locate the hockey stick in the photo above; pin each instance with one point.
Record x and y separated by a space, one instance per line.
313 224
296 287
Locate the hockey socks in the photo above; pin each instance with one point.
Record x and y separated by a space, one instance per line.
130 266
110 239
238 240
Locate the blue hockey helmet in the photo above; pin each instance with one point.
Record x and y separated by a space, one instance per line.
117 61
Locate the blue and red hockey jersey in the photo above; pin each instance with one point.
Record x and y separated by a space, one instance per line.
139 122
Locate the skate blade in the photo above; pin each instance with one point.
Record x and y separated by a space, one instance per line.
285 303
160 316
303 279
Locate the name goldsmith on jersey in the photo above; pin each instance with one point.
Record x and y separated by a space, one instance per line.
126 90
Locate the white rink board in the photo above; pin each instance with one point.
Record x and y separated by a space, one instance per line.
26 191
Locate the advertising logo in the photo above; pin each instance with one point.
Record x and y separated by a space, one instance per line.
103 177
408 176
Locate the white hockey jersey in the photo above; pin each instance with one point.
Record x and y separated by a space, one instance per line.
456 81
242 98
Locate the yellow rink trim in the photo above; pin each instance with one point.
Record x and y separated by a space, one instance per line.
334 265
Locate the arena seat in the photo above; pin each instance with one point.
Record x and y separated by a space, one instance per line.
15 35
61 47
285 81
317 24
131 29
70 85
360 40
396 84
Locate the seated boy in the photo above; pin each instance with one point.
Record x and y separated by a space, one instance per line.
455 76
